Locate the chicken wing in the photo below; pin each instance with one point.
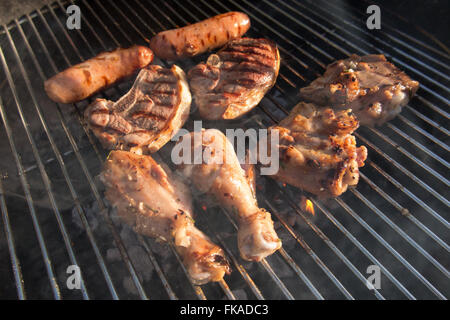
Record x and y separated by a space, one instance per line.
157 204
220 174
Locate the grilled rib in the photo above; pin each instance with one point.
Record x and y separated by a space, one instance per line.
372 87
147 116
221 175
157 204
234 80
317 151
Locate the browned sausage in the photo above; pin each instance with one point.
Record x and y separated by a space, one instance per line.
200 37
82 80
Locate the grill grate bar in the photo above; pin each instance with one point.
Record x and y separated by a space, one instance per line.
25 185
410 194
43 173
328 42
308 249
23 19
405 212
90 179
421 147
74 194
424 133
403 43
313 53
418 275
242 269
15 263
364 250
406 172
264 263
197 289
345 52
366 52
408 239
329 243
253 18
426 167
150 254
256 291
445 100
397 255
439 177
159 271
362 31
247 278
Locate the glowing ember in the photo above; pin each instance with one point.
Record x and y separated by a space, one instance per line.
307 205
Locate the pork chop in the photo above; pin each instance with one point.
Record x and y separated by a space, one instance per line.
147 116
233 81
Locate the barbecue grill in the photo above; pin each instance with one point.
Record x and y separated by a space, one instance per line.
54 214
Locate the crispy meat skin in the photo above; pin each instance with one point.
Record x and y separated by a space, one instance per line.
157 204
372 87
147 116
224 178
234 80
317 150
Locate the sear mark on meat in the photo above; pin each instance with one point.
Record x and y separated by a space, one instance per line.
317 150
233 81
147 116
372 87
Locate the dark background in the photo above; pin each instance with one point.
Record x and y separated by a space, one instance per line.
432 16
429 15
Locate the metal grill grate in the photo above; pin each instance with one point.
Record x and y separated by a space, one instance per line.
54 215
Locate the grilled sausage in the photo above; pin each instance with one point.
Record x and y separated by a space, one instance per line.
82 80
200 37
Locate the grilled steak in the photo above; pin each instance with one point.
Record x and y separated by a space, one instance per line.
317 150
157 204
234 80
147 116
372 87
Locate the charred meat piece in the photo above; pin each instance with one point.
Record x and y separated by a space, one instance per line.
372 87
317 150
234 80
220 174
147 116
157 204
